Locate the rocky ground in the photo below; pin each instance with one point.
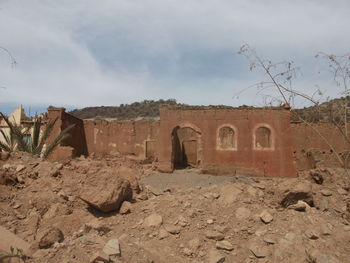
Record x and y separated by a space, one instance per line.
113 209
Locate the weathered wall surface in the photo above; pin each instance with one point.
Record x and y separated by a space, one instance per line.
126 137
248 141
310 150
75 145
246 156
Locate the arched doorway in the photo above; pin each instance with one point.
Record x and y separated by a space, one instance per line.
186 147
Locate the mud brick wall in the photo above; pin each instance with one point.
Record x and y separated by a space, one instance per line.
246 156
77 139
126 137
311 151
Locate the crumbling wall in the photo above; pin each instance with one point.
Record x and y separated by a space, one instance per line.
311 151
73 146
125 137
275 159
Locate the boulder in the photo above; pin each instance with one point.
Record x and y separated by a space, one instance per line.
50 237
266 217
300 206
153 220
106 193
293 192
8 240
125 208
112 248
132 176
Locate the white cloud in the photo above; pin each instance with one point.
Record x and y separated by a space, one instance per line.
87 52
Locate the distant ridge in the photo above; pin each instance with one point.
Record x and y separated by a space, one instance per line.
143 109
149 109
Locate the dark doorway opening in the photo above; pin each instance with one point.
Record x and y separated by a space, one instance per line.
185 147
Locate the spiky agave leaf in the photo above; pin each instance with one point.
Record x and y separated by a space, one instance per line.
61 137
45 135
6 137
18 134
5 147
35 135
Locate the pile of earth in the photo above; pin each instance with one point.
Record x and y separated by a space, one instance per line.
111 210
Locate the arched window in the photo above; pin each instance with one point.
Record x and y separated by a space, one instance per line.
226 138
263 138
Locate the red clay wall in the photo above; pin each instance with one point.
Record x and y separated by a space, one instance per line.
276 162
125 137
310 150
77 139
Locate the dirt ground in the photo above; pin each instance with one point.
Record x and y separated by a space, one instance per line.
114 209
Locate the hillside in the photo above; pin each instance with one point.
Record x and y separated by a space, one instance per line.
146 108
333 109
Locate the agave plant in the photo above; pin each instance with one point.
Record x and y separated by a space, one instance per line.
18 138
9 143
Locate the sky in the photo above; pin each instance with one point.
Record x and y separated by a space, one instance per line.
90 53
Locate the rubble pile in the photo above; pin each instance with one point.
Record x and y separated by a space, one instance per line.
98 210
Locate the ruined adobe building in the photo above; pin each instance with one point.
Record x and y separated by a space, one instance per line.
253 141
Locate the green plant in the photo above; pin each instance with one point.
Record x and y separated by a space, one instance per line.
34 143
9 143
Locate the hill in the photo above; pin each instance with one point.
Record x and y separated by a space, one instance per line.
327 111
144 109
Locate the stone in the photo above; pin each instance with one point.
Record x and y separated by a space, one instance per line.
4 156
50 237
300 206
106 193
295 192
215 257
162 234
315 255
182 221
7 179
259 252
214 235
98 226
266 217
100 257
125 208
326 229
155 191
20 168
112 248
229 194
222 229
225 245
9 239
194 244
210 221
312 234
326 192
132 176
187 252
172 229
242 213
153 220
269 239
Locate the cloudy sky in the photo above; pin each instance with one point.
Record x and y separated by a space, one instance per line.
89 53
